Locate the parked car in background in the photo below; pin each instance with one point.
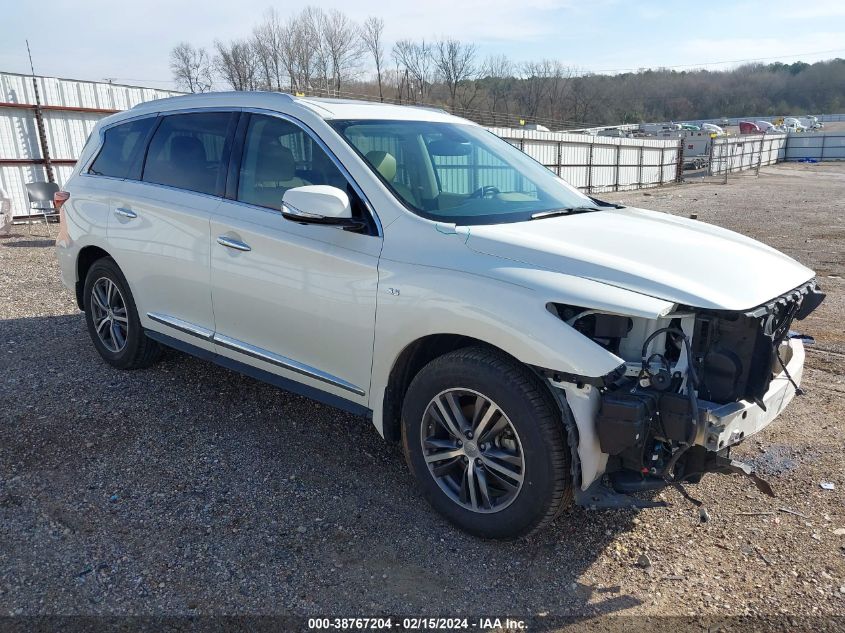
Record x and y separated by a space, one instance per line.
528 345
791 124
713 129
769 128
810 122
747 127
657 128
5 213
614 132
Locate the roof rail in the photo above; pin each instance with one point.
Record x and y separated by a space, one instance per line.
212 95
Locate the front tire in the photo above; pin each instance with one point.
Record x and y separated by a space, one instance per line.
112 319
485 440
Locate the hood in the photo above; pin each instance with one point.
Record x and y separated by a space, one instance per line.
656 254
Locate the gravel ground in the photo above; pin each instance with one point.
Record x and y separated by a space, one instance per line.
186 489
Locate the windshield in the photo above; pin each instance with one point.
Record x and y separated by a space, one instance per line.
459 173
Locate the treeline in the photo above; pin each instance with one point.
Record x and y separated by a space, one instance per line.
325 53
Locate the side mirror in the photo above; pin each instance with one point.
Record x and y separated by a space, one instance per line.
319 204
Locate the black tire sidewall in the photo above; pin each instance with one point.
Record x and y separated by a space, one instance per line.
532 502
126 357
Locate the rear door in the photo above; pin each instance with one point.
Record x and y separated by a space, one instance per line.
159 227
295 300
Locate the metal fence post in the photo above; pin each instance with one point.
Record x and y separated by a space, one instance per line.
710 156
821 155
662 161
679 163
640 168
616 168
759 157
590 169
560 158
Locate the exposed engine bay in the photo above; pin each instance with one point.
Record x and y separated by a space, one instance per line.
692 385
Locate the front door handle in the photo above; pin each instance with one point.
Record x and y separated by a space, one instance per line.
125 213
228 242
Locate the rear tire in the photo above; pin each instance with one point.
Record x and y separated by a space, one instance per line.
500 466
112 319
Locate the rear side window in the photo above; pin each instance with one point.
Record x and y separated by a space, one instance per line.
122 146
190 151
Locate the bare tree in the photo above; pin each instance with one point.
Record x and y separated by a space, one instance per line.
298 56
267 42
416 59
311 22
455 63
191 68
498 71
236 63
533 88
343 45
371 34
558 77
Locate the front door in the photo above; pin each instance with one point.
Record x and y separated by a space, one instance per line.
295 300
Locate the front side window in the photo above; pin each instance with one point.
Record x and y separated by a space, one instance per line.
278 156
458 173
189 151
122 145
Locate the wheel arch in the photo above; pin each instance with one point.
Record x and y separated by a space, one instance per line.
86 258
411 360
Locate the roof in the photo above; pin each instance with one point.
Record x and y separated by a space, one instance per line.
322 107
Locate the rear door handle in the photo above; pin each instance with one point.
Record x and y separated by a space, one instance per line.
228 242
125 213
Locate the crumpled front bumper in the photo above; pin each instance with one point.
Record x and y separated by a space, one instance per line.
724 425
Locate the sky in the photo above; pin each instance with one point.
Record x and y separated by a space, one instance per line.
130 42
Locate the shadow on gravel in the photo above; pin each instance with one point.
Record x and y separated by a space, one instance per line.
29 243
189 489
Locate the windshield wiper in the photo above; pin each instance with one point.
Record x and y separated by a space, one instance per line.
564 211
605 203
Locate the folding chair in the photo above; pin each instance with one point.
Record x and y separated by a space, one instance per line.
41 195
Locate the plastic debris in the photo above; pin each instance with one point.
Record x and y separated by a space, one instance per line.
796 513
827 485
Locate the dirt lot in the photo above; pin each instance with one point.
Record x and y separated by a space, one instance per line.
186 489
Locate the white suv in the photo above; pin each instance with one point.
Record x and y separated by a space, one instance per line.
529 345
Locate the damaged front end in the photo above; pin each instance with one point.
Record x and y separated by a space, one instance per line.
694 383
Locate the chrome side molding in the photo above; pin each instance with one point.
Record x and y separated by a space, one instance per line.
285 363
182 326
254 352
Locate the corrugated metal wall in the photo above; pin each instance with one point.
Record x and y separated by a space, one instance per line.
71 108
596 163
731 154
815 146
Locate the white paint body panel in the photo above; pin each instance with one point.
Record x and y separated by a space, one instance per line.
305 292
164 252
651 253
348 304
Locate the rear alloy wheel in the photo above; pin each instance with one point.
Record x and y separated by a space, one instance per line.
108 309
112 318
485 440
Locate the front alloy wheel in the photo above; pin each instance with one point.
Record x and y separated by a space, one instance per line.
472 450
484 438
